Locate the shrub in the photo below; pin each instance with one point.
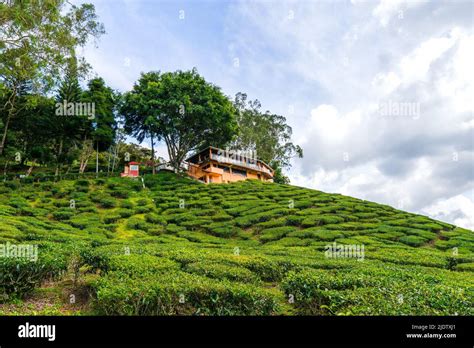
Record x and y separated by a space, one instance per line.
412 240
111 218
466 267
221 271
63 214
173 228
124 213
275 233
317 233
107 202
317 220
316 292
249 220
19 276
294 220
180 293
272 223
143 209
137 224
84 220
126 205
155 219
141 264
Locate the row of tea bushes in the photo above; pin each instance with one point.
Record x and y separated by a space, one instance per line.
20 275
373 290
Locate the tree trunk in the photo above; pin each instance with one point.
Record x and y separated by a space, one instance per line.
60 152
108 162
30 169
152 154
5 131
87 151
115 156
11 111
97 161
5 171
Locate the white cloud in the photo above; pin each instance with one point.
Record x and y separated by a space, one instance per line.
387 9
459 209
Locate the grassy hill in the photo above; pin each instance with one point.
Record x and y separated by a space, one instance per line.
109 246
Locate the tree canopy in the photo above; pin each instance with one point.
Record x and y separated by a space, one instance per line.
37 38
182 109
265 133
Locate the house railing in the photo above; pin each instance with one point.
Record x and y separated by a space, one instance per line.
246 164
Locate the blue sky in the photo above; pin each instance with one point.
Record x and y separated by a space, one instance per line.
335 69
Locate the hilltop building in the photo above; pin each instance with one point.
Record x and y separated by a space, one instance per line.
224 166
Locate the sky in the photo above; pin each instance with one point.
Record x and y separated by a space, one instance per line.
379 93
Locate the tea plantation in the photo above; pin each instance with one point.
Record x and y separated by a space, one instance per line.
179 247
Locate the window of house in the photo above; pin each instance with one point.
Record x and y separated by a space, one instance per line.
239 172
226 169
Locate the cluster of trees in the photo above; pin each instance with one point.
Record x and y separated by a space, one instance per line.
49 120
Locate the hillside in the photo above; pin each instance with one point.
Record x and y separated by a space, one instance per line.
108 246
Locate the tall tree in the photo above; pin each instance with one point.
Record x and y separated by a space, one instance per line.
34 131
104 123
68 121
182 109
265 133
36 38
137 109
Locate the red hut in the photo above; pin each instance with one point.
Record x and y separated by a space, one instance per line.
131 170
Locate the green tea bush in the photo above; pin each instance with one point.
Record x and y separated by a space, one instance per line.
279 222
142 209
317 220
173 228
84 220
180 293
63 214
126 205
19 276
276 233
124 212
414 241
111 218
107 202
134 223
120 193
141 264
153 218
221 271
294 220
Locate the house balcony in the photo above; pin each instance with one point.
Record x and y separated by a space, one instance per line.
245 164
214 170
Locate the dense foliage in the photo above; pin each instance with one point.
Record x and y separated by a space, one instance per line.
182 109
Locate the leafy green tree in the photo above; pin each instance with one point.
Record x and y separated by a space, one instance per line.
137 109
66 122
182 109
36 39
103 99
134 152
34 131
265 133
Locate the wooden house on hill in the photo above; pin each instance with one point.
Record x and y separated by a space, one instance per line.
223 166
